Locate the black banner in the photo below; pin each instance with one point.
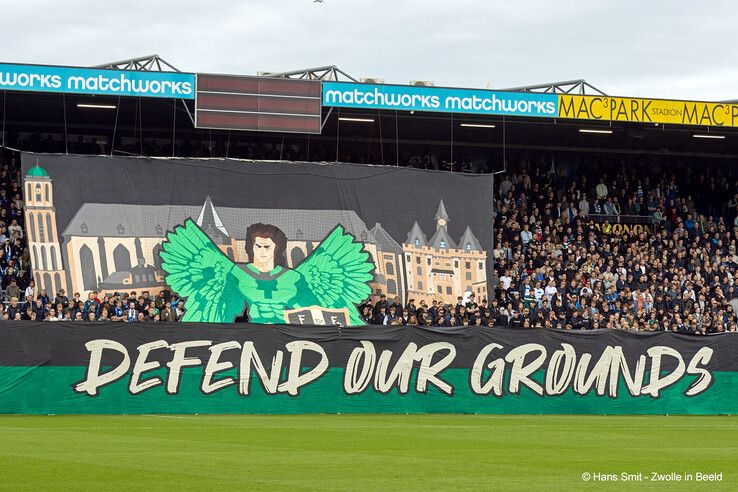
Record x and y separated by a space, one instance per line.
332 236
132 368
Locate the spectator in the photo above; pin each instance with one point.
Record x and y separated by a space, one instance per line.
61 298
13 291
161 301
601 190
131 313
118 313
30 291
167 314
14 229
584 207
14 309
180 310
381 315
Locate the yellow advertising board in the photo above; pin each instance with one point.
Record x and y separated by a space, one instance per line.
606 108
620 229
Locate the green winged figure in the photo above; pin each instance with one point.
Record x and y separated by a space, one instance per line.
335 275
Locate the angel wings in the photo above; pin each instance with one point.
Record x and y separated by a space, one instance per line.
335 275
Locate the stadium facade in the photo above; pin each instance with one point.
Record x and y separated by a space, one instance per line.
145 107
127 108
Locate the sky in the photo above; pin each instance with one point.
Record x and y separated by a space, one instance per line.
647 48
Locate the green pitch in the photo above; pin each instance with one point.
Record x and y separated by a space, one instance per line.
362 452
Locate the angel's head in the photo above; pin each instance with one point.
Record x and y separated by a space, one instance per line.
266 246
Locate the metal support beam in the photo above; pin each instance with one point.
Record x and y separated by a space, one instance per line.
579 86
325 120
328 72
192 119
150 63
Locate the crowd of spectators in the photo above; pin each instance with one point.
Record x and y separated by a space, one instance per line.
560 263
557 262
15 263
559 268
465 312
122 307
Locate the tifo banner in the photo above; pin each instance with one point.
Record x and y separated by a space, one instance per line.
289 242
647 110
438 99
199 368
78 80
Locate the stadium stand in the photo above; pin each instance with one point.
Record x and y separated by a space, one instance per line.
582 242
560 265
15 262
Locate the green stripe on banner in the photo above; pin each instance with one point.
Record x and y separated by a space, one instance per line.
48 390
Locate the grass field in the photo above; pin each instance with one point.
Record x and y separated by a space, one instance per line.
361 452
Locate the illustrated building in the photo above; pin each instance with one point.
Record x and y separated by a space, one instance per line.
43 237
389 278
441 269
115 247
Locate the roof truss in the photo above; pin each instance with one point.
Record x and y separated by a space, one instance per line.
150 63
579 86
329 72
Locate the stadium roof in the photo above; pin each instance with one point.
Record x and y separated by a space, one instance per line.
155 63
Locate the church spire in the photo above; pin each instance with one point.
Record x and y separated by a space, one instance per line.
469 241
416 236
209 221
441 216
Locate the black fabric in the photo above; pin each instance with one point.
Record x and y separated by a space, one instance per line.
25 343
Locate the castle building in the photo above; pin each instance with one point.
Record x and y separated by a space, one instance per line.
43 237
441 269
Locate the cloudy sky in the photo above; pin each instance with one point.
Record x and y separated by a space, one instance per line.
669 49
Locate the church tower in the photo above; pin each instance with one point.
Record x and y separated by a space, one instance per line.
43 237
441 240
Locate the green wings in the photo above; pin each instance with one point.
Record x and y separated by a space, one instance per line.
335 276
338 273
199 271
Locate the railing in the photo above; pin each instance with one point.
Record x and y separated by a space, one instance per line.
622 219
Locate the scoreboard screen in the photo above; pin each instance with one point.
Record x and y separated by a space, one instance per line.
231 102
